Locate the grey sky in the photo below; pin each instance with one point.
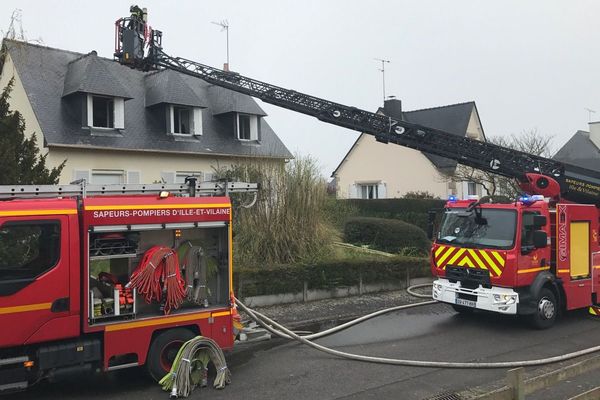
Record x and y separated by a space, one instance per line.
527 64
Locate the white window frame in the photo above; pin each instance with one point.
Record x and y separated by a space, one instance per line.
118 113
194 122
253 127
474 186
107 172
376 189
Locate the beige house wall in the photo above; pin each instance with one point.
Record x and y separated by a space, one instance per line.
398 168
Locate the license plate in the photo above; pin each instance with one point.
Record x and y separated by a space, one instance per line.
466 303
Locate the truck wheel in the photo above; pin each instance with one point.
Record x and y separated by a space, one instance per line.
163 351
546 310
463 309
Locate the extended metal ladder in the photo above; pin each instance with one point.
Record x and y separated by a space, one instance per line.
82 189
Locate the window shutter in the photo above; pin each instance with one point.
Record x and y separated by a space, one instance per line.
168 177
90 110
169 117
208 176
133 177
353 192
196 121
381 191
254 127
81 174
119 104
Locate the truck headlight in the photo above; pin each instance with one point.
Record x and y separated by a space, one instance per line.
505 298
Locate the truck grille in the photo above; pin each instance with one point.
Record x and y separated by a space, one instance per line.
469 278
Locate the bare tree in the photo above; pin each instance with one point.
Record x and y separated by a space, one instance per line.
531 142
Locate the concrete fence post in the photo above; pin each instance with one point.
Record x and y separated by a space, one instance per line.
514 380
360 284
305 292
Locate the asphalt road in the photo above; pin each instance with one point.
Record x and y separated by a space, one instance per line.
283 370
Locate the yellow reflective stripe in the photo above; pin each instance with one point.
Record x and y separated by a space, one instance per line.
563 271
477 259
498 257
466 261
25 308
439 250
596 266
154 206
220 314
37 212
446 254
526 271
456 255
161 321
491 263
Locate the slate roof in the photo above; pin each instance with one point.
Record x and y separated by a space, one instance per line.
452 118
580 151
48 73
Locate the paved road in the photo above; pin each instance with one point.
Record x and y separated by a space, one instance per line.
280 369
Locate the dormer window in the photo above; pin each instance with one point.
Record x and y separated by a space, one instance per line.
184 120
247 127
105 112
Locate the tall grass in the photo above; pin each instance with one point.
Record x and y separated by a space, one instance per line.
287 224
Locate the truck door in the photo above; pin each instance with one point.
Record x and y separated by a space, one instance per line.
574 233
34 279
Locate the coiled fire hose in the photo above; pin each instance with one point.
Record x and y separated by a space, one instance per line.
190 366
194 263
158 271
281 331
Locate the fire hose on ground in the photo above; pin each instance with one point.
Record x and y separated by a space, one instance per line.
281 331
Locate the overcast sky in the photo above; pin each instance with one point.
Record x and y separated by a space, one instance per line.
527 64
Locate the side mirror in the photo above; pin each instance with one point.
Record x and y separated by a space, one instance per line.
430 223
539 221
540 239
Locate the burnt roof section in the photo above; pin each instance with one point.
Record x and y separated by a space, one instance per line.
453 118
91 74
580 151
168 87
43 72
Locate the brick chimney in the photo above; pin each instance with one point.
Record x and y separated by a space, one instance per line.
595 133
393 108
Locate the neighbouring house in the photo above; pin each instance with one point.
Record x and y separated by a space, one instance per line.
114 124
583 149
372 170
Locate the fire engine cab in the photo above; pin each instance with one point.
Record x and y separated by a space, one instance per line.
110 277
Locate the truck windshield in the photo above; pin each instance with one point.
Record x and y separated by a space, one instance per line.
492 229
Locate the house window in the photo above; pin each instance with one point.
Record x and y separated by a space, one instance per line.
471 189
103 112
247 127
368 191
181 175
184 120
107 177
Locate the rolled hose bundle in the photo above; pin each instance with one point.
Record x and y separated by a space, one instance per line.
193 356
159 265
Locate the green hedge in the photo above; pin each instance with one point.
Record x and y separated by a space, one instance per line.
326 275
413 211
388 235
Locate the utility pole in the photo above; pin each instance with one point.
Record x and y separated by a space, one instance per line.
383 73
224 24
590 112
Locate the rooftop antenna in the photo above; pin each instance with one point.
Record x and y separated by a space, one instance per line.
383 73
590 112
224 24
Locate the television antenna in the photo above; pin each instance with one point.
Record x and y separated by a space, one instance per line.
224 24
383 62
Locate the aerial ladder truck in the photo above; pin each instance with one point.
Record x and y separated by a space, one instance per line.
536 256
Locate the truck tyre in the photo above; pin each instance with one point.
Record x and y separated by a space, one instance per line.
463 309
163 350
546 309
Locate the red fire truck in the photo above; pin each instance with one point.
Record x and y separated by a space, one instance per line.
535 256
67 254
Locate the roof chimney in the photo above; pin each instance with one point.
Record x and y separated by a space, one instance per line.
392 107
595 133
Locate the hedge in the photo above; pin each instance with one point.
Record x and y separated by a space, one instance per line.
385 234
413 211
326 275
